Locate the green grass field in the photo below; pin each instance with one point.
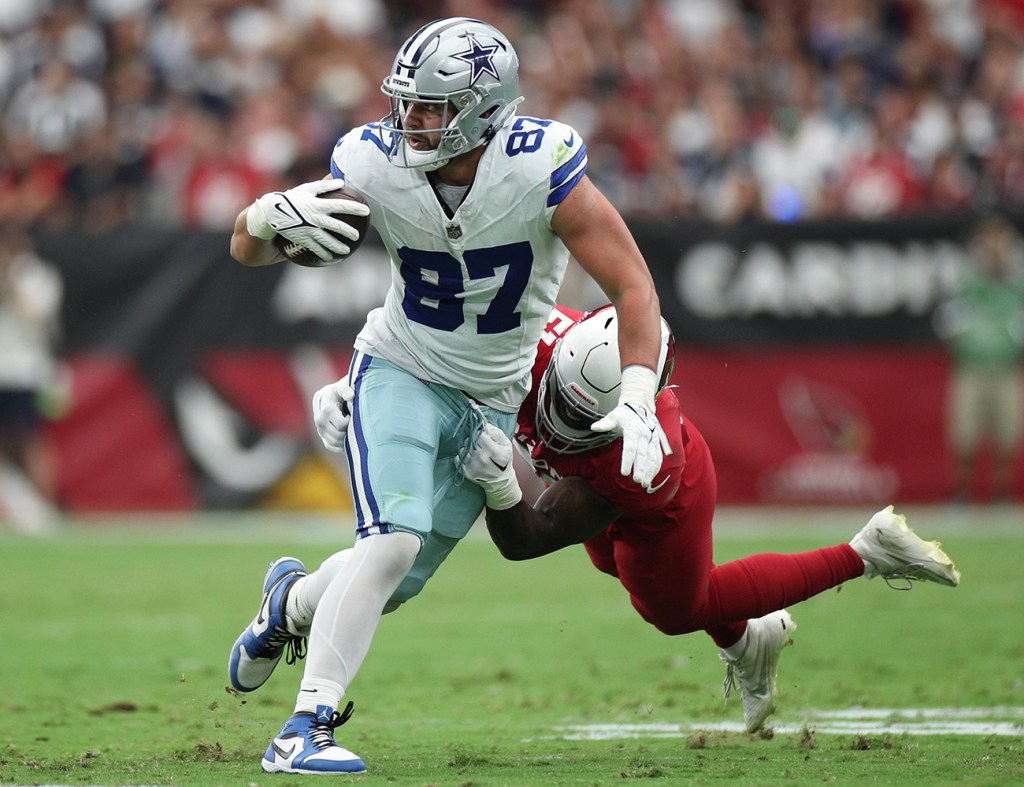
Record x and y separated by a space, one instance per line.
115 641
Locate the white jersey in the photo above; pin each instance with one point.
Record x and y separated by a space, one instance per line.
470 295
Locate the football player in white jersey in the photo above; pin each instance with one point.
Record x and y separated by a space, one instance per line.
479 209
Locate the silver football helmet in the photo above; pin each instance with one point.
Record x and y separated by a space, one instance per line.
581 384
465 67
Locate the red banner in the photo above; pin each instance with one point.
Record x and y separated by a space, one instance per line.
835 425
784 426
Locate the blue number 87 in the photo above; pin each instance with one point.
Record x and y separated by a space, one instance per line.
434 286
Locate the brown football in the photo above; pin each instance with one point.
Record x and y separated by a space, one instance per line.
300 255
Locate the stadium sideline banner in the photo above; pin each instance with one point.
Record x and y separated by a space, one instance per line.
807 358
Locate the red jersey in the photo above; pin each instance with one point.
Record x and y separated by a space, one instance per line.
660 506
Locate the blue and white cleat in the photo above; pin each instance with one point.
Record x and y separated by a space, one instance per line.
306 745
258 649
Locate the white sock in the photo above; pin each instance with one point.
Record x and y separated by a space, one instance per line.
738 649
348 613
314 692
305 594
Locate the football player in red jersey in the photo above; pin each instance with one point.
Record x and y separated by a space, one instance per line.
657 540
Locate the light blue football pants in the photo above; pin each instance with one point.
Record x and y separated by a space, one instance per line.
401 444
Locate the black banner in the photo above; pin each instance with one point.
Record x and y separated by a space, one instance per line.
813 283
143 292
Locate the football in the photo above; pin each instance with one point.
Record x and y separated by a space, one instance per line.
300 255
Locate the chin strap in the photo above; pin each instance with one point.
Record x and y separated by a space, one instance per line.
506 115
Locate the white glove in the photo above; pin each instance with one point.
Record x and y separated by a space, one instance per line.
644 442
489 464
303 217
332 413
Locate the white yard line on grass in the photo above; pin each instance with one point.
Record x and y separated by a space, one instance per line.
1005 721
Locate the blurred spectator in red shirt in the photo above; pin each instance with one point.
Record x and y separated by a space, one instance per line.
220 180
31 186
883 180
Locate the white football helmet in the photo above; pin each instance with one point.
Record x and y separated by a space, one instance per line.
469 69
581 384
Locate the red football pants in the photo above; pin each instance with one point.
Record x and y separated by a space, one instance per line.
676 587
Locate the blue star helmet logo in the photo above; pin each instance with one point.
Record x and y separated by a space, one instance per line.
480 57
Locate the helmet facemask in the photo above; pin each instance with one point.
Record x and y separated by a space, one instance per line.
565 414
462 119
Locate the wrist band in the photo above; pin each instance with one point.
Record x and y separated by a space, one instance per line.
639 385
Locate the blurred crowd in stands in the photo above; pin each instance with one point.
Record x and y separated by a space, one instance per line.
180 112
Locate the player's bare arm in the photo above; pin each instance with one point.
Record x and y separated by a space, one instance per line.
569 512
597 237
251 251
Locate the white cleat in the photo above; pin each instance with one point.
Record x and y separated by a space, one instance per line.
892 550
757 669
